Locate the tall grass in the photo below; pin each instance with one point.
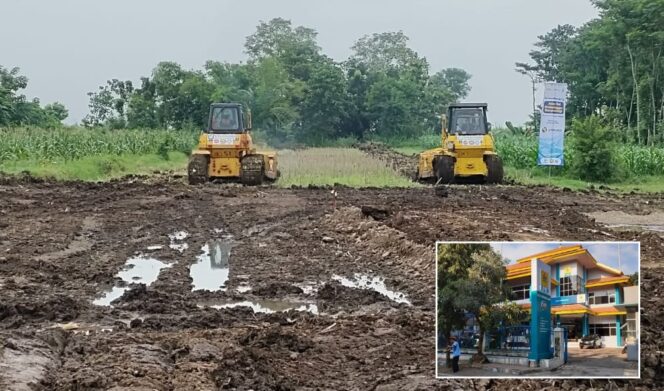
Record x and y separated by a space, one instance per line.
76 143
327 166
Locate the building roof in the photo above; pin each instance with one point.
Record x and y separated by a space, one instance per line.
608 311
570 309
519 270
607 280
563 254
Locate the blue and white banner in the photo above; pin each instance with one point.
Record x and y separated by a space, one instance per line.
552 125
540 310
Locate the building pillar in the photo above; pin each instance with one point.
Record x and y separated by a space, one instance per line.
558 279
586 326
584 282
618 336
618 301
557 320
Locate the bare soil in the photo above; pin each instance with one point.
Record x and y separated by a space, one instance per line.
61 245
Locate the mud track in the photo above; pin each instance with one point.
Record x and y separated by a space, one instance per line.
61 245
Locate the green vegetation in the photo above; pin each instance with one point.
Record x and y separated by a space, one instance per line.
639 168
470 280
328 166
98 167
76 143
520 152
385 91
540 176
17 110
594 150
93 154
297 94
613 66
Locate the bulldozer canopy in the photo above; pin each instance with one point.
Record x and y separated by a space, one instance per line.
225 119
467 120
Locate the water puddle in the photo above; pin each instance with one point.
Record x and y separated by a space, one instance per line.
176 241
377 284
136 270
154 248
211 270
269 306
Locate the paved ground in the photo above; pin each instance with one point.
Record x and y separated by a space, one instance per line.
605 362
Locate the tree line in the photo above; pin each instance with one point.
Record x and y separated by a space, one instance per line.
613 65
296 93
16 109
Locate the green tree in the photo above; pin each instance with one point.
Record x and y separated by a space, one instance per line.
594 150
324 107
453 264
634 279
108 106
614 66
56 111
273 108
482 293
277 38
16 109
384 52
10 83
444 87
142 107
390 80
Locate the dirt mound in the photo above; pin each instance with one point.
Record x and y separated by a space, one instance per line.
63 243
140 298
276 337
403 164
57 308
243 369
277 289
333 295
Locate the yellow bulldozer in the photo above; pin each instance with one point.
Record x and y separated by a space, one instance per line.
467 152
226 151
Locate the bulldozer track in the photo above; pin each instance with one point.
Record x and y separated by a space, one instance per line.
252 173
197 170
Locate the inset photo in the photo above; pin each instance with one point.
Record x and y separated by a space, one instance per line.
537 309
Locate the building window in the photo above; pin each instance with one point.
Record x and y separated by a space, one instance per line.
601 298
603 329
521 292
571 285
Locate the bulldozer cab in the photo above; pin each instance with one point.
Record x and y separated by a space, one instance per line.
228 118
468 119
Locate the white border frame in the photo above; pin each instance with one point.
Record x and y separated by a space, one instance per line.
638 320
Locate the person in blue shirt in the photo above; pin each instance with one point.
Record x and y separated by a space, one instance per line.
456 353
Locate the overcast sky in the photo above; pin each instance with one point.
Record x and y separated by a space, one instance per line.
622 256
69 47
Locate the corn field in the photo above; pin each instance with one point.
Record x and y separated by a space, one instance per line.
75 143
521 152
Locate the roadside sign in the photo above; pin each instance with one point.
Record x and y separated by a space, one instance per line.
552 125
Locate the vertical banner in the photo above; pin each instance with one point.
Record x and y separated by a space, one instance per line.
540 310
552 125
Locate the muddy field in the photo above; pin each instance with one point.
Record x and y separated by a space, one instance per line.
299 296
